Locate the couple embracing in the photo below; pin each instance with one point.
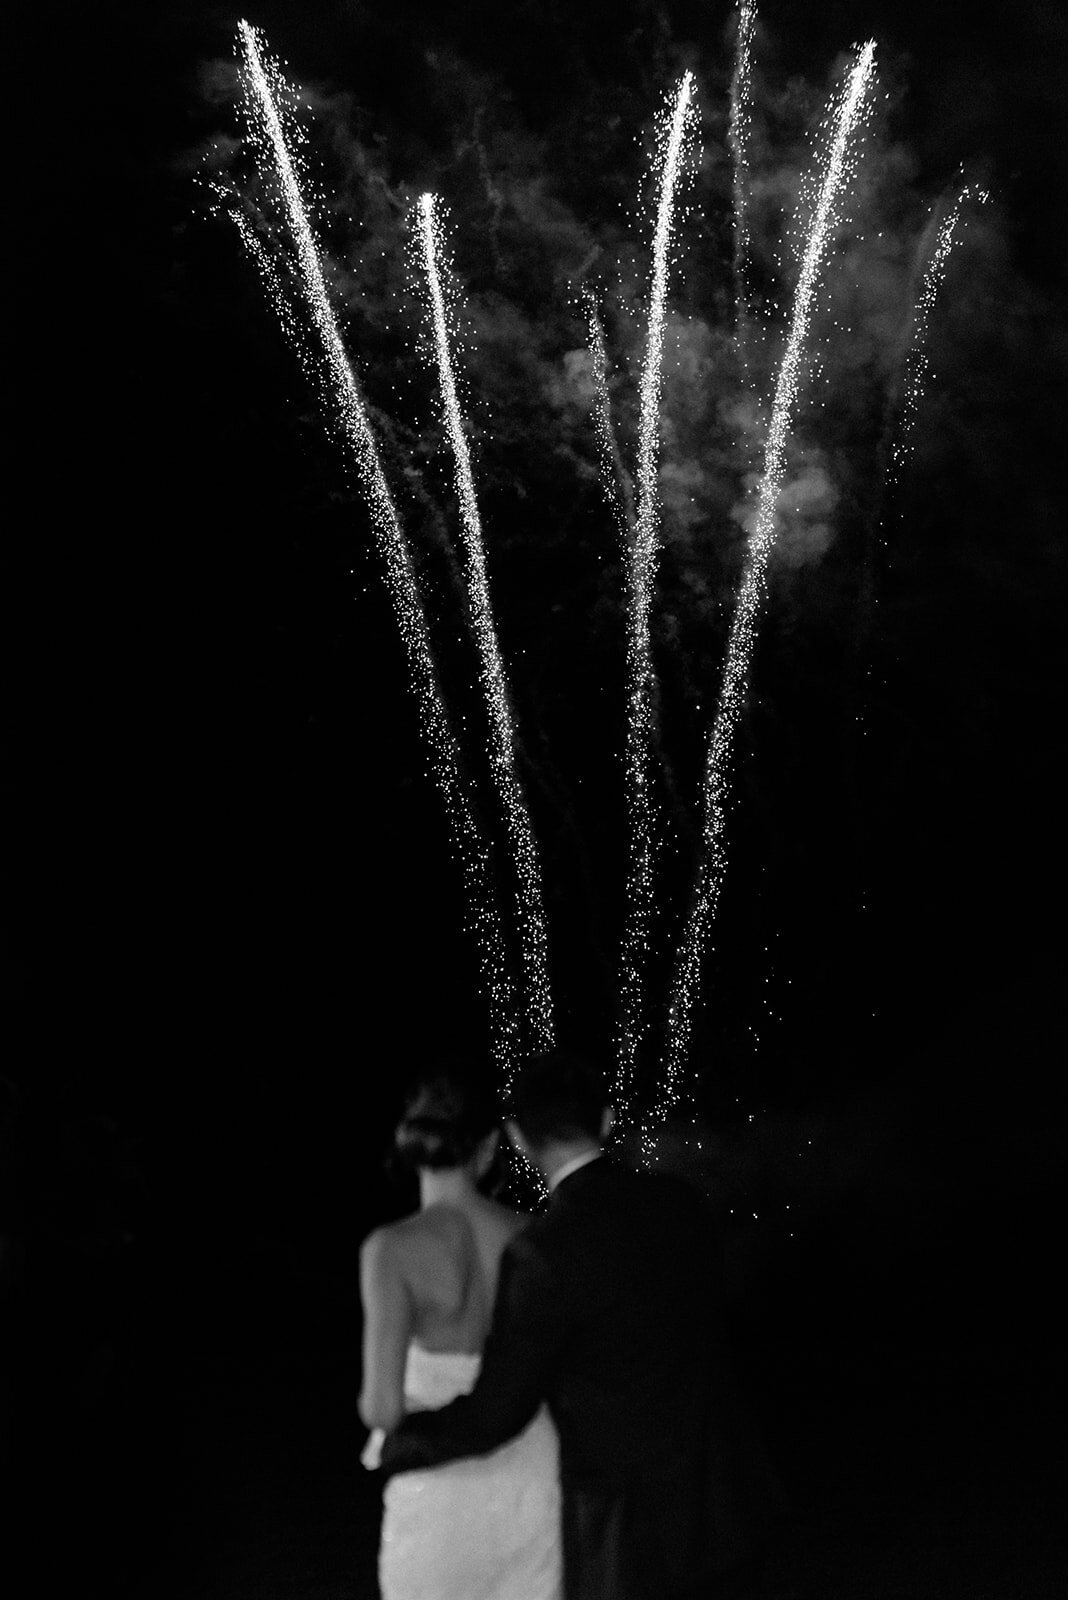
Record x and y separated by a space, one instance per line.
550 1399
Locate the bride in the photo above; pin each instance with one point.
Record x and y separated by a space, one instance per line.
486 1527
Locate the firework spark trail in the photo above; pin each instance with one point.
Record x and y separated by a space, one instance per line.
898 431
491 667
918 362
686 976
640 680
904 393
615 479
443 750
738 140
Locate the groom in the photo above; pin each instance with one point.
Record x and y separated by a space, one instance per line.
608 1308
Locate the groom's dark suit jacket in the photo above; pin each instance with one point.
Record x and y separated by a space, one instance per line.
608 1307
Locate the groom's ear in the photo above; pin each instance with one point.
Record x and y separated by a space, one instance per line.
487 1149
608 1121
515 1138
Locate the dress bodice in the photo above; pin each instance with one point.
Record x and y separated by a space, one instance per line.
434 1377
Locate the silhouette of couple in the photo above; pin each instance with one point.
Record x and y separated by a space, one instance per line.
550 1400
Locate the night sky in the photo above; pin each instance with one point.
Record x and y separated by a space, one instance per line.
232 920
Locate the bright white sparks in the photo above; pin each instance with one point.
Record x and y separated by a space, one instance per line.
738 140
615 479
687 973
491 668
918 362
637 512
640 680
407 605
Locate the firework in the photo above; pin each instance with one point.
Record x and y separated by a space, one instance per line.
918 365
640 680
738 140
615 479
712 864
261 81
901 406
298 288
491 667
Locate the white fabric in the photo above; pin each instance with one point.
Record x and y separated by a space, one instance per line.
483 1528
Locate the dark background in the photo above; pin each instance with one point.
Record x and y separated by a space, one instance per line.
232 924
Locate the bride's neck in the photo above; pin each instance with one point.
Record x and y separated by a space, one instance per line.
445 1186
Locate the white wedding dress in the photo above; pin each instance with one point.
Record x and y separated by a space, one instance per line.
483 1528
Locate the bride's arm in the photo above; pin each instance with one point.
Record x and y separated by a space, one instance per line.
387 1328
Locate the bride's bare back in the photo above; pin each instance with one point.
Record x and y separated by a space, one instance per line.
449 1256
430 1279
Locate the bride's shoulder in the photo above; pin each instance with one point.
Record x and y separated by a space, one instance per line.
399 1238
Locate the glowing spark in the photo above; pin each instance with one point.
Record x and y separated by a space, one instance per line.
918 363
712 865
407 605
491 667
737 138
615 479
640 681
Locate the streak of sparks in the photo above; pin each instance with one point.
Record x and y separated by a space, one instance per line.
639 665
903 399
502 741
443 750
738 140
615 479
918 363
713 860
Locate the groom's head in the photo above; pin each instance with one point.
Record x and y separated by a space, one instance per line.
559 1109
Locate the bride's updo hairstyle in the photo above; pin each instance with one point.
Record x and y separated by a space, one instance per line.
448 1111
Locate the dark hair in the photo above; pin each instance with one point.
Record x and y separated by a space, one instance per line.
559 1096
448 1110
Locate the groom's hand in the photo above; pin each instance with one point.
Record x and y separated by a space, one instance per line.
386 1465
